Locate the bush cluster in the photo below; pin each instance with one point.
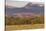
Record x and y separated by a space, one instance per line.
11 20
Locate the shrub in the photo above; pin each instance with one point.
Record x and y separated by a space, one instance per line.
10 20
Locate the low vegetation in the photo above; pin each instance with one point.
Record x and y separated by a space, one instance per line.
13 20
22 27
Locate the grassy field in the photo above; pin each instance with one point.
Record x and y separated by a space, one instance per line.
20 27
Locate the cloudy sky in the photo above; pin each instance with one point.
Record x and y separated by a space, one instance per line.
28 0
20 3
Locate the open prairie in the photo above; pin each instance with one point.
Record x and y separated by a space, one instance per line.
21 27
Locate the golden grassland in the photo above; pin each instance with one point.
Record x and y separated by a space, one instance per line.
21 27
22 23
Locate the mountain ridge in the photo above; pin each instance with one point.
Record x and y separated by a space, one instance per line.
34 9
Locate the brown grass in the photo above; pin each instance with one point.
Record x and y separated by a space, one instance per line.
19 27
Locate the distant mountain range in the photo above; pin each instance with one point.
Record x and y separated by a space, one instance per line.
29 9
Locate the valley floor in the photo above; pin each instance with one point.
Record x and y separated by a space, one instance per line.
23 27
